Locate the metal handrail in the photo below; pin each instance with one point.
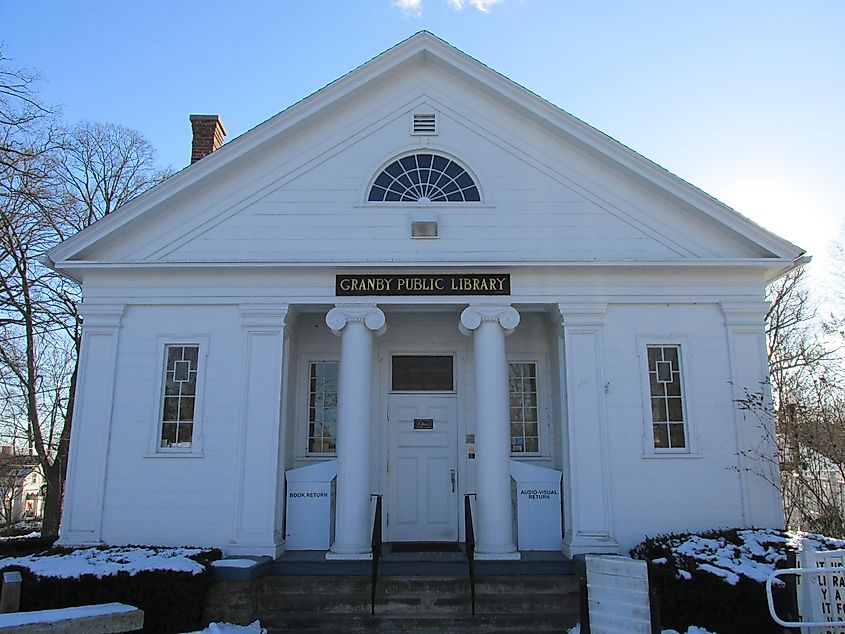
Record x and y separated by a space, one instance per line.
376 550
798 571
470 545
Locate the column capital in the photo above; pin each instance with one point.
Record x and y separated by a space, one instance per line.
100 316
264 315
745 313
368 314
582 314
474 315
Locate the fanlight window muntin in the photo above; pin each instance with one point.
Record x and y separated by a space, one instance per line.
424 178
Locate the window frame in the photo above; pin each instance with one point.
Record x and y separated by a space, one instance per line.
300 411
154 445
305 393
365 194
454 388
545 441
690 450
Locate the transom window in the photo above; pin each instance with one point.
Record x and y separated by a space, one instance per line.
424 178
422 374
667 407
322 407
180 392
522 393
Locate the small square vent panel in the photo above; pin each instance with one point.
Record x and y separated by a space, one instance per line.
424 124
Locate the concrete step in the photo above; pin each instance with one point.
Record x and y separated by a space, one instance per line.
536 604
442 623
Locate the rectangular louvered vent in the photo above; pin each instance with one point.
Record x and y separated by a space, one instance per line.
425 124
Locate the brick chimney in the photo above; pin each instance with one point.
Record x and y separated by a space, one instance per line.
208 135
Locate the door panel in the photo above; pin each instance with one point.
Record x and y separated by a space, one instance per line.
422 504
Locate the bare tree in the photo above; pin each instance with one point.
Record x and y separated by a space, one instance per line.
95 169
806 370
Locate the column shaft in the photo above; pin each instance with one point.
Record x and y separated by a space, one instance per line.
494 521
354 394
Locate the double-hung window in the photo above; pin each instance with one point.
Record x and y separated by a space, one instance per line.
179 412
322 407
668 411
524 410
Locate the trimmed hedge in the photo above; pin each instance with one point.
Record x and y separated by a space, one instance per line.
690 596
172 601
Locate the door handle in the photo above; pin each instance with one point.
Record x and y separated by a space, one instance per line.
452 474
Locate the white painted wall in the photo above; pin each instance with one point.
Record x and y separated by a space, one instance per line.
274 227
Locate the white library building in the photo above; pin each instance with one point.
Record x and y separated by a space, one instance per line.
422 284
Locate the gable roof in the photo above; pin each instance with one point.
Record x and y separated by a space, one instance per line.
424 45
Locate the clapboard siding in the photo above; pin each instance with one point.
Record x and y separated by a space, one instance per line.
318 174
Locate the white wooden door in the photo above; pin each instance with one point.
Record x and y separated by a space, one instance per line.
422 471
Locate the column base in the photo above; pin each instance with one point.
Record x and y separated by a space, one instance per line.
594 545
514 556
332 556
256 549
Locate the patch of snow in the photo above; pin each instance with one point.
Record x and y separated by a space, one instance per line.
53 616
754 558
659 561
235 563
575 630
110 561
692 630
683 574
34 534
229 628
727 575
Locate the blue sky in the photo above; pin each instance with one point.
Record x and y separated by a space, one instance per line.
742 99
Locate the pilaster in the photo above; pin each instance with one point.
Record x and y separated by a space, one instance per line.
89 443
589 523
258 519
755 431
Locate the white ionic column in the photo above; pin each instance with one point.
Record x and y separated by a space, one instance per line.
494 524
355 325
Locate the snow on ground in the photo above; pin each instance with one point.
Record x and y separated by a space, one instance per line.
228 628
34 534
692 630
54 616
234 563
110 561
755 557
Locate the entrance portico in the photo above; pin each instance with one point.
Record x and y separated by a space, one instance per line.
424 462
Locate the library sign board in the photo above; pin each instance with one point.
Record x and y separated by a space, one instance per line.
386 285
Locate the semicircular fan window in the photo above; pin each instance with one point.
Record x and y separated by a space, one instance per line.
424 178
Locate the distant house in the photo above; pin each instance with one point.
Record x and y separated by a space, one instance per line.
21 482
430 281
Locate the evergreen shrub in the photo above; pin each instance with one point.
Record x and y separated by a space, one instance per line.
690 595
172 601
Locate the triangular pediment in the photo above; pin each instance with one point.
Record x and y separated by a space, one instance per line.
294 189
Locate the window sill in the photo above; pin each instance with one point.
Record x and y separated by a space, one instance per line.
663 456
174 454
529 456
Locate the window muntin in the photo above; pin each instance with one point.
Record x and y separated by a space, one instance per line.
667 406
524 410
422 373
180 395
322 407
424 178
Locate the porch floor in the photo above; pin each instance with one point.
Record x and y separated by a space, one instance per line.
429 561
